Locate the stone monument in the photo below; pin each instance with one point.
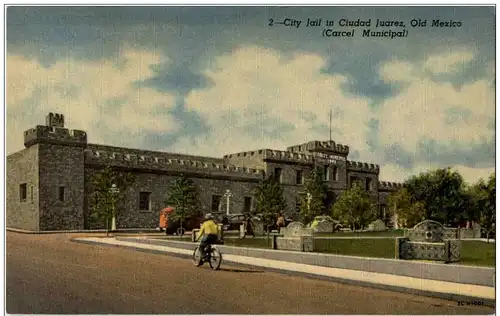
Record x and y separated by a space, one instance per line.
294 237
429 240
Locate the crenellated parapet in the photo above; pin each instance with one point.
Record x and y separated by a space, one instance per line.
55 135
328 147
286 156
164 163
245 154
362 167
389 186
274 155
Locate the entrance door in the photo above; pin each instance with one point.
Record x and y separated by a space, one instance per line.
331 198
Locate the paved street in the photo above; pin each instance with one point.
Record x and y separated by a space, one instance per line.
50 274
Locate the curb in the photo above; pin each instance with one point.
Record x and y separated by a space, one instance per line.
445 296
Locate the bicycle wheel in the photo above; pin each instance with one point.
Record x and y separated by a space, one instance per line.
197 260
215 259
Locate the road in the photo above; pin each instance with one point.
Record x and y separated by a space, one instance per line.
50 274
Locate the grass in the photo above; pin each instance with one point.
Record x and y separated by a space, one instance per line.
390 233
476 253
249 242
379 248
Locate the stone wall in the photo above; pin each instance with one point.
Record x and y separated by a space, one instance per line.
294 237
57 157
61 166
130 216
249 159
429 240
22 167
448 251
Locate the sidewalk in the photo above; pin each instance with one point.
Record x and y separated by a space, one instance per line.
77 231
440 289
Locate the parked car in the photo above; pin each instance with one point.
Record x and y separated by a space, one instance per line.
234 221
188 225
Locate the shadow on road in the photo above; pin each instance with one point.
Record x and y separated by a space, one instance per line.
241 270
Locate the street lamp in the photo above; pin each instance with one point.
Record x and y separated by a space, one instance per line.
228 195
114 191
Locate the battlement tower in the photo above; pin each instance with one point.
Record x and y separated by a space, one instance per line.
54 133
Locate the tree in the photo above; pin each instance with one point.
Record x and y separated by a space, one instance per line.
474 199
183 197
313 202
441 192
269 200
356 207
409 212
109 189
486 202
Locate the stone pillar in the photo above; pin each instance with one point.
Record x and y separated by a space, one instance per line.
273 241
399 247
242 230
447 254
307 243
221 232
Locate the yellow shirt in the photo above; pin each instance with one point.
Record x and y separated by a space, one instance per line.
209 228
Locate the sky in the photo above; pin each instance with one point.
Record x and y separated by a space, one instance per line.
212 81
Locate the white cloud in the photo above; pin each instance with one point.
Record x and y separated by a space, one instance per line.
435 110
84 92
258 100
253 79
255 87
449 62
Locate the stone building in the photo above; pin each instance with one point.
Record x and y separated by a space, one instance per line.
47 182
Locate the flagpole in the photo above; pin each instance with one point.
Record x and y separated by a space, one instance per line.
330 124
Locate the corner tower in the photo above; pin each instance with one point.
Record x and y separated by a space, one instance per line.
61 173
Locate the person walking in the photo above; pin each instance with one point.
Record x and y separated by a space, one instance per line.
281 221
248 226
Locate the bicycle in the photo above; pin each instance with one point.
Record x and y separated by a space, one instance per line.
213 257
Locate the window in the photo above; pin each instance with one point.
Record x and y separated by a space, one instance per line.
247 206
368 184
354 180
326 173
216 203
144 201
382 211
22 192
299 177
61 194
335 174
278 174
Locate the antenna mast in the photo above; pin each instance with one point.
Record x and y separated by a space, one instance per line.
330 124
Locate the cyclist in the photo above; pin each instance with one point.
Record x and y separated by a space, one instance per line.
208 233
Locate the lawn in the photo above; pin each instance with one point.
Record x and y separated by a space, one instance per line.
472 253
389 233
379 248
477 253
